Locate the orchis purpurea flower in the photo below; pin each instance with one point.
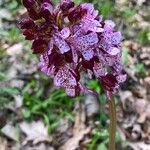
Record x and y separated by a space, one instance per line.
73 39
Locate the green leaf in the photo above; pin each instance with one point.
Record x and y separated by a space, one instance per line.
106 8
143 37
8 90
140 69
94 84
125 54
102 146
103 119
26 114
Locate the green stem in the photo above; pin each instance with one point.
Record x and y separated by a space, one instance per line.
113 122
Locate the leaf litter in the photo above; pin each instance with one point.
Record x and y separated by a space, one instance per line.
35 131
79 130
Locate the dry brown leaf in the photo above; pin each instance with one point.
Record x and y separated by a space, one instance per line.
140 105
136 132
64 125
79 131
139 146
128 101
35 131
143 109
3 144
18 101
121 133
147 82
41 146
140 2
124 96
15 49
142 117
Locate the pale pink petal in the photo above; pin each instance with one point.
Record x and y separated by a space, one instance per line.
65 32
121 78
44 69
89 7
50 46
110 23
95 13
113 51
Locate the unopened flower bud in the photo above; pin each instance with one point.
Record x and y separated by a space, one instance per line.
39 46
46 10
27 23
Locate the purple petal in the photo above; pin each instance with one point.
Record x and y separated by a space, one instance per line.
89 7
74 54
95 13
50 46
87 40
117 67
121 78
44 69
100 55
51 70
65 32
109 60
113 51
90 24
110 23
87 54
71 92
116 38
99 70
78 31
61 44
64 78
105 41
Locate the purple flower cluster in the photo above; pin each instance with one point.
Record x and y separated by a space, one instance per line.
72 39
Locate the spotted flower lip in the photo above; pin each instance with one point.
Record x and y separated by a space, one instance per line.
73 39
